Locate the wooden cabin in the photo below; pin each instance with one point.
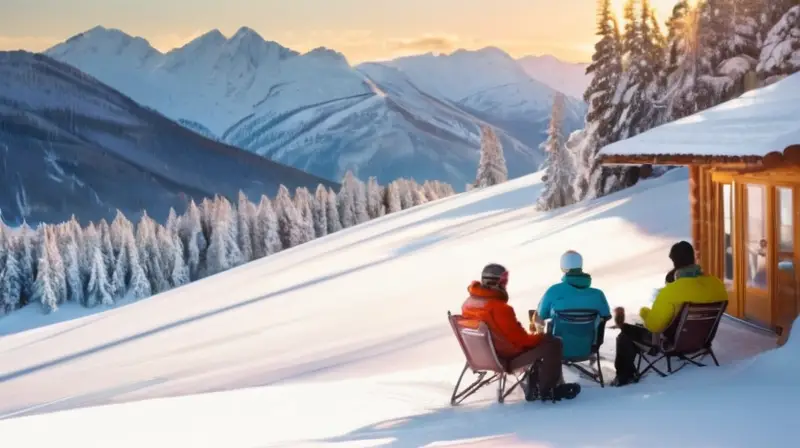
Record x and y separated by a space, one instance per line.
744 195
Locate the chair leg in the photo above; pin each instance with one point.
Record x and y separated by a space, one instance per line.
457 397
669 364
713 356
501 386
600 371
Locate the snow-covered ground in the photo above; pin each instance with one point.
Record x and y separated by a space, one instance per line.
343 342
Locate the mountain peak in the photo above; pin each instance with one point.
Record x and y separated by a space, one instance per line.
327 54
246 33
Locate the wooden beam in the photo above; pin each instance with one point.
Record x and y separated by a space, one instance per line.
675 159
694 209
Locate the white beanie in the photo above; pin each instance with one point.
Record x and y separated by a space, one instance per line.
571 260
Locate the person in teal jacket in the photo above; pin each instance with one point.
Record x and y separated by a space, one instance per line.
573 292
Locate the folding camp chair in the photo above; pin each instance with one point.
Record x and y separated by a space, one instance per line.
582 332
478 346
688 338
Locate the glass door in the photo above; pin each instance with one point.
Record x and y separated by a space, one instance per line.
786 298
757 303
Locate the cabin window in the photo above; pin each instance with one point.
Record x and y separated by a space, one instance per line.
727 237
756 241
785 224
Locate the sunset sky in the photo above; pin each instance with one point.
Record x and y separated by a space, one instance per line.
361 29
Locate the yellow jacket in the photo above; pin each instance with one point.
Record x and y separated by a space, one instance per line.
693 287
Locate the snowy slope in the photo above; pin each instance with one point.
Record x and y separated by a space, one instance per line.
343 342
567 77
314 111
492 85
72 145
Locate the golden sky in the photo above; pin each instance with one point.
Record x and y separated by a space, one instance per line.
361 29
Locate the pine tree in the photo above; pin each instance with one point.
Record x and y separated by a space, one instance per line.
288 219
603 113
180 271
267 241
11 275
27 262
46 289
392 200
150 255
245 222
332 213
320 211
780 55
98 287
492 168
375 208
303 203
557 191
194 240
223 249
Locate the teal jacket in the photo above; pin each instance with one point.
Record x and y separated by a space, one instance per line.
573 292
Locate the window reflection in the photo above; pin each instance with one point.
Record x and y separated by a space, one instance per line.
756 236
785 224
727 212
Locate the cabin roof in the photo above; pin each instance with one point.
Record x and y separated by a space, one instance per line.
745 129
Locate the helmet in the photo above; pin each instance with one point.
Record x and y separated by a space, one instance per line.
494 275
571 260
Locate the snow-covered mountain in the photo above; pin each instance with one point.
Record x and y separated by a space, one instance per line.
72 145
567 77
317 113
491 85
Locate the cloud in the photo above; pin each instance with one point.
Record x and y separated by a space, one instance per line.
440 44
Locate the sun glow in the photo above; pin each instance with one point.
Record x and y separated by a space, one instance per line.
663 9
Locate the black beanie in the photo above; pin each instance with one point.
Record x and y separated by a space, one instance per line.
682 255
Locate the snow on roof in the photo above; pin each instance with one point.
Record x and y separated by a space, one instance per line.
761 121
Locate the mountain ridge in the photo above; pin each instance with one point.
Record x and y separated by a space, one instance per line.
79 146
318 113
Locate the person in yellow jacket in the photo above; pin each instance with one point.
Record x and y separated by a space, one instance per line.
690 285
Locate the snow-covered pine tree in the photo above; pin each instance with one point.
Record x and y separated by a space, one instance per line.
332 212
71 259
492 168
560 171
11 275
288 219
431 190
46 288
223 249
245 214
194 240
780 55
392 199
98 288
28 257
606 71
375 208
266 239
108 249
360 201
150 254
320 211
304 205
406 193
180 271
346 201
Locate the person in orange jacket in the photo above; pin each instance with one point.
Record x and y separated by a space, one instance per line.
488 303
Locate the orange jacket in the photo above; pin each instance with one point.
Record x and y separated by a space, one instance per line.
491 306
